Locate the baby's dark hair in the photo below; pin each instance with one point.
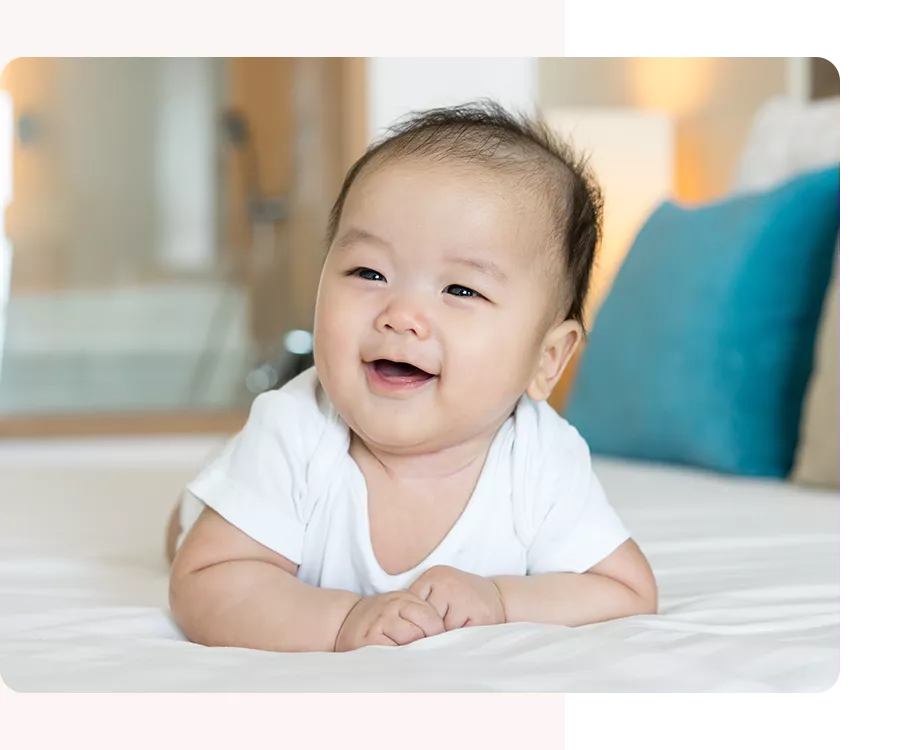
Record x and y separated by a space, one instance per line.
487 134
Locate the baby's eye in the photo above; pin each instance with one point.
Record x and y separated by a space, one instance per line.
461 291
368 274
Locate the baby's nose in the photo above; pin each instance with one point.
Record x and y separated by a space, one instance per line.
404 316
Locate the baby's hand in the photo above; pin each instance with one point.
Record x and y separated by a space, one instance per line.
460 598
392 619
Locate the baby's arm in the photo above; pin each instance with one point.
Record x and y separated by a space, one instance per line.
621 585
226 589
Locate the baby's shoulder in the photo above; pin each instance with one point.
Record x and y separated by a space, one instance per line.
298 413
542 434
551 466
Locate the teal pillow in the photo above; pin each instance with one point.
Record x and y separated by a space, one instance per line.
702 351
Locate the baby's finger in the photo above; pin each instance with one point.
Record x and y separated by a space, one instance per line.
437 599
377 638
456 617
421 589
423 616
402 631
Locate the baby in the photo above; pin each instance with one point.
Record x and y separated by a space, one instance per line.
415 480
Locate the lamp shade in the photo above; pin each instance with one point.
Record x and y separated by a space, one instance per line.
632 154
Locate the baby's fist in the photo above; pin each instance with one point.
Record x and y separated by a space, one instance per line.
392 619
460 598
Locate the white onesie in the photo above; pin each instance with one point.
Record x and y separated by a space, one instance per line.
287 480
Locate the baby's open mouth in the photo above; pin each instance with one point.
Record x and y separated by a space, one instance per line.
399 372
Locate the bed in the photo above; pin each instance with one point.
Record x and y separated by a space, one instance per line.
747 569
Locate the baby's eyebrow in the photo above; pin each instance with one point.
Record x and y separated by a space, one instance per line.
354 235
487 267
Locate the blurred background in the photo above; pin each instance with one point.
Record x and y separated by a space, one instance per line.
162 220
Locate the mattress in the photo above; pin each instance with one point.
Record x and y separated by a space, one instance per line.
747 572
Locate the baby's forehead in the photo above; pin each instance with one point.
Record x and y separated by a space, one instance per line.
516 210
527 198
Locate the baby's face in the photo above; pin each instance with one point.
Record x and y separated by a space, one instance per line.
434 302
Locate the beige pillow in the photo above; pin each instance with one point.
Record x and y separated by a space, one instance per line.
818 458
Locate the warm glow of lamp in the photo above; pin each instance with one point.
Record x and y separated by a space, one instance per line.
632 154
675 86
5 60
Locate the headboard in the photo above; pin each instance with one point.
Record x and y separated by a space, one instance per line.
825 74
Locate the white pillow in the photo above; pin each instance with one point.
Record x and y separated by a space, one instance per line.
788 137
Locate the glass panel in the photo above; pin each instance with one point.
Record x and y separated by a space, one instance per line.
143 227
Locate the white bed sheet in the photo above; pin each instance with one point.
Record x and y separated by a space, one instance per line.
748 576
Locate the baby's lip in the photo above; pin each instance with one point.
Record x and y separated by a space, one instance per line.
403 360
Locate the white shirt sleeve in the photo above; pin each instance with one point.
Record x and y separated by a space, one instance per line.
569 525
258 483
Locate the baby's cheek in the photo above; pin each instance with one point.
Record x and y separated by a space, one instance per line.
337 326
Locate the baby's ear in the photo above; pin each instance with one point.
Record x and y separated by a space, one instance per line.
558 347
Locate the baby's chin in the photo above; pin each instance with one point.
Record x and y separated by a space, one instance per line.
400 438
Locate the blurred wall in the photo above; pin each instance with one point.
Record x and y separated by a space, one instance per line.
397 85
712 100
31 223
126 179
115 174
